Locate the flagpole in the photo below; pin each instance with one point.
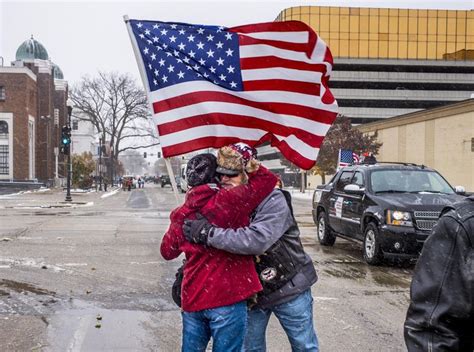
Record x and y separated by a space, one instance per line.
143 75
339 160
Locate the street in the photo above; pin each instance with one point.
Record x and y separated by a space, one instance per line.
89 277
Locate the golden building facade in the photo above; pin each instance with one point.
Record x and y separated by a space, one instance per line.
390 33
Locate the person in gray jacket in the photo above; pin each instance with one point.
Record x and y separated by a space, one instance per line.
285 270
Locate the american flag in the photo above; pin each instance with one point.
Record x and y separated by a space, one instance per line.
210 86
347 157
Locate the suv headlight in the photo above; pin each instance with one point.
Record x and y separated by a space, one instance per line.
399 218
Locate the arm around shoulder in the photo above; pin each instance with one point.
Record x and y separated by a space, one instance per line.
271 221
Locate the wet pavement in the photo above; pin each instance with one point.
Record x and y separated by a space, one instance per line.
89 277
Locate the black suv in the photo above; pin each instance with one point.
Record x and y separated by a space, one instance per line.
390 207
165 180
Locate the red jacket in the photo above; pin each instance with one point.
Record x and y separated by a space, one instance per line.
214 278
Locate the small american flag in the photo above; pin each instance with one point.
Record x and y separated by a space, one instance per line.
347 157
210 86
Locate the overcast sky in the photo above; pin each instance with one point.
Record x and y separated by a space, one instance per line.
83 37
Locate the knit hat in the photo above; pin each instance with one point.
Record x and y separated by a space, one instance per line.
201 169
236 158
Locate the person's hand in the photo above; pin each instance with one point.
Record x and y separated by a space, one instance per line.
197 231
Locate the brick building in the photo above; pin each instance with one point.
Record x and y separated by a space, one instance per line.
33 95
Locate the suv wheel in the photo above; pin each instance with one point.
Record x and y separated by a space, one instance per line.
372 253
325 235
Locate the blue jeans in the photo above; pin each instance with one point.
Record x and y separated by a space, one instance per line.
226 325
296 318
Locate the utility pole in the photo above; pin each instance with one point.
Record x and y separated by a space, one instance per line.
67 145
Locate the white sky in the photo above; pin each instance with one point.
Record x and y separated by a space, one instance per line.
83 37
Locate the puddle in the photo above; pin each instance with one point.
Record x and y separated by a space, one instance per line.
86 327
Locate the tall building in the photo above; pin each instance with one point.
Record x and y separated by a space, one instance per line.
389 62
33 95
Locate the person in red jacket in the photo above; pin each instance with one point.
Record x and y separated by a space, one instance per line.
216 283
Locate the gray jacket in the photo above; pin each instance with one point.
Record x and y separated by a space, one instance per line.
272 220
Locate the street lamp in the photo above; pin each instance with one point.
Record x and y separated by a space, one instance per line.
69 165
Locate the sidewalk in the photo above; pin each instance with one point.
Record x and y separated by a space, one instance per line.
52 198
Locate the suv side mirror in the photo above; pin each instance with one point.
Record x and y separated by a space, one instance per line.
460 190
354 189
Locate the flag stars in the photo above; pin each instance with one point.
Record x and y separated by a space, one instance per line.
212 69
182 32
222 77
233 84
228 36
170 68
162 62
156 72
173 26
142 36
176 53
181 46
155 38
164 32
156 26
202 61
186 60
153 57
200 45
210 38
139 25
180 75
191 38
210 53
229 52
196 67
219 45
147 32
164 78
231 69
145 51
220 61
192 54
173 39
155 82
200 30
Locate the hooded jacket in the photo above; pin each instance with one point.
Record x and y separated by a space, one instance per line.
273 236
441 313
214 278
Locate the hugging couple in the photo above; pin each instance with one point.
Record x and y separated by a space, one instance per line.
244 257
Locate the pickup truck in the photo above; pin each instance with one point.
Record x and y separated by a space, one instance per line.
389 207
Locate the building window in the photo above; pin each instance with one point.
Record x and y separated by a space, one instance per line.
4 169
75 125
2 93
3 130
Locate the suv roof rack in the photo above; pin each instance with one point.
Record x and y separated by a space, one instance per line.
391 162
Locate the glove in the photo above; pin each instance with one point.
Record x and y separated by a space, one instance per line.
197 231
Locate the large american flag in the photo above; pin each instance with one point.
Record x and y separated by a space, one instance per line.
210 86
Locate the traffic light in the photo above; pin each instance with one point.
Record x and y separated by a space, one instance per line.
144 155
65 139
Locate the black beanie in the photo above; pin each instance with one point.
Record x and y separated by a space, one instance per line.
201 169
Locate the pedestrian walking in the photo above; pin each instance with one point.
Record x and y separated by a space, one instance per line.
285 270
216 284
441 312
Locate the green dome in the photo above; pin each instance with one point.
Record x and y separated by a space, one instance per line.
58 74
31 49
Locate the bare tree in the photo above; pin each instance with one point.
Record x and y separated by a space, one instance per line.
118 109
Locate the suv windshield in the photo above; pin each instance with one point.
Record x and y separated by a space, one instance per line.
411 181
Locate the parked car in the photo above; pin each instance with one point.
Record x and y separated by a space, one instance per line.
165 180
389 207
